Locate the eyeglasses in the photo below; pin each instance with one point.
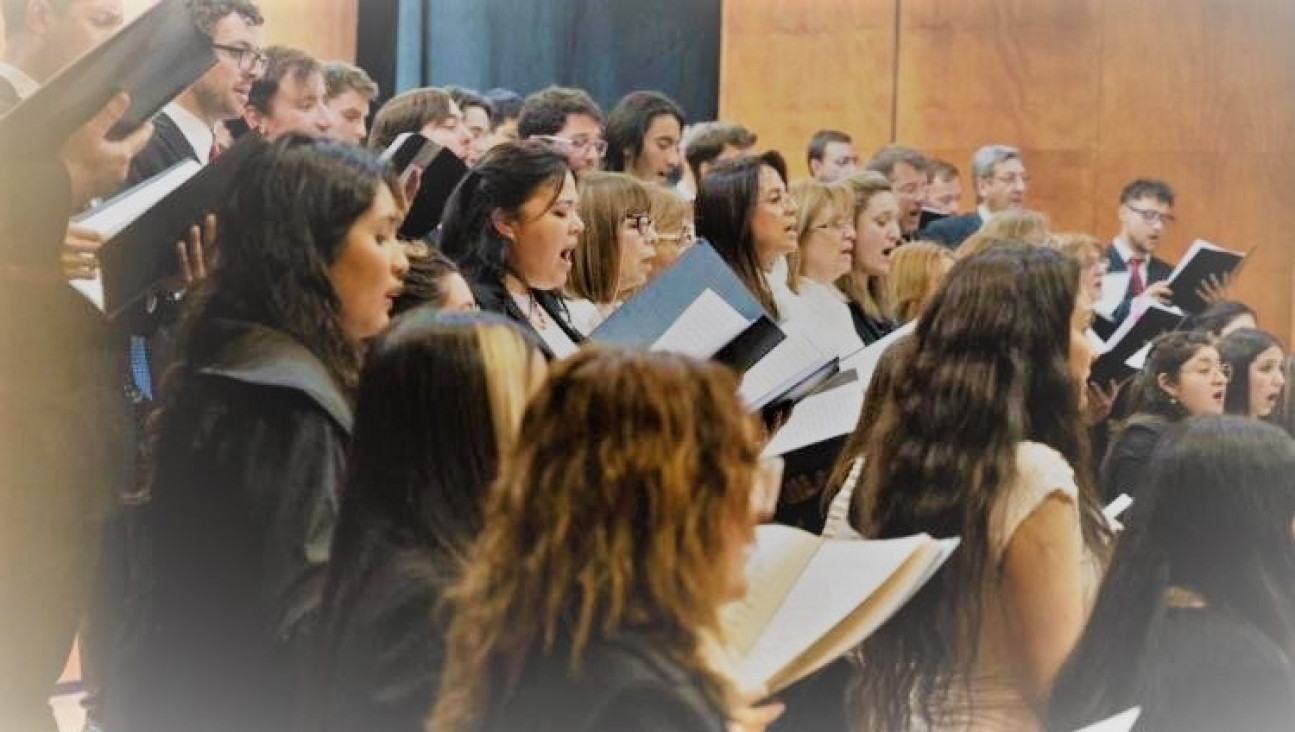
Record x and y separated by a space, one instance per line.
249 60
1209 370
843 226
578 145
1152 216
642 223
685 237
1011 180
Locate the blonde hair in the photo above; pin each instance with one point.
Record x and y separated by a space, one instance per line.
505 351
916 270
870 292
670 213
812 199
1022 225
605 200
569 555
1083 248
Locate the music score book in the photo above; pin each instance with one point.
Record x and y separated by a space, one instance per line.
1202 261
140 254
819 417
810 599
1133 335
154 58
438 180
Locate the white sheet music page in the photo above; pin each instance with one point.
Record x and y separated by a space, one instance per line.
1122 722
706 326
817 418
790 359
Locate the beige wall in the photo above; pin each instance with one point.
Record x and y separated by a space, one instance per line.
1096 92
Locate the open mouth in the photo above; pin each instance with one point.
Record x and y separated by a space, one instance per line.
567 255
1218 396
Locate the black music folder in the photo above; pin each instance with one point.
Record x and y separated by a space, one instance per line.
1202 261
439 179
1133 335
142 254
154 58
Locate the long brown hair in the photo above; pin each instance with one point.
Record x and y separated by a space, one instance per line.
565 557
989 369
606 199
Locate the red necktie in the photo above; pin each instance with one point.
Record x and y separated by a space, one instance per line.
1136 284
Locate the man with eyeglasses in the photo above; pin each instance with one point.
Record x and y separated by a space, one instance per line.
906 169
1001 184
1146 209
568 119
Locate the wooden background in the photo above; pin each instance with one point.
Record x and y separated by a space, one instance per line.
325 28
1095 92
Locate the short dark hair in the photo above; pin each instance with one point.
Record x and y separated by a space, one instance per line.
466 98
545 112
341 77
707 140
281 63
507 104
207 13
424 283
1239 349
821 139
1148 188
941 170
408 111
885 159
629 120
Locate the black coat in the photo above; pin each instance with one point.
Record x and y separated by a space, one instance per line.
385 645
244 500
167 147
493 296
952 230
624 686
1124 468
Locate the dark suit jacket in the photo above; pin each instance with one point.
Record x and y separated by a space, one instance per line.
952 230
168 147
493 297
1157 271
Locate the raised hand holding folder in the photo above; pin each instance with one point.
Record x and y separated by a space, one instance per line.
1202 262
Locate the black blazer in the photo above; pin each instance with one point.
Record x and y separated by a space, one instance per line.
624 685
952 230
1125 465
167 147
1158 270
492 296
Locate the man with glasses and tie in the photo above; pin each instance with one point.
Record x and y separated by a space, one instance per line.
1001 184
1146 210
568 119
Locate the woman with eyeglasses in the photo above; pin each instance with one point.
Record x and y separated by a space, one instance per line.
745 211
1257 362
672 220
824 254
1184 376
516 218
1195 622
616 247
877 234
439 404
428 111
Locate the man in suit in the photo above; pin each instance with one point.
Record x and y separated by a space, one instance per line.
1146 208
43 36
906 169
1001 183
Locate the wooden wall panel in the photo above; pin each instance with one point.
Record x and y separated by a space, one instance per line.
789 69
324 28
1095 92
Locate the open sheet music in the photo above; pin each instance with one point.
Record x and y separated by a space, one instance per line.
810 599
821 416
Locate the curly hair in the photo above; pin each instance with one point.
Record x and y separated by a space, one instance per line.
988 369
569 554
207 13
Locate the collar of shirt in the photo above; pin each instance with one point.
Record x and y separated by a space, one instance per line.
23 84
984 212
1126 252
195 131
